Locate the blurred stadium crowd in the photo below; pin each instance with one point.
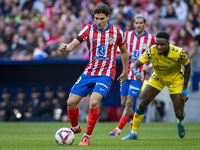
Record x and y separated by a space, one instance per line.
33 30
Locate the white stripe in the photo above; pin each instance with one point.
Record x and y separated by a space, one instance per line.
83 30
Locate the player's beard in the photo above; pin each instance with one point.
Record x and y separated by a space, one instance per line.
139 30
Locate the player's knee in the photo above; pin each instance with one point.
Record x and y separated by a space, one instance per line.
123 105
142 105
127 111
70 104
93 104
179 114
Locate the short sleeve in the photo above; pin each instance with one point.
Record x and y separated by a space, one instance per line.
183 58
84 32
121 38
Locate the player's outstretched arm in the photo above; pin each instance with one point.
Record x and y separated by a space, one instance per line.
134 69
124 57
185 94
69 47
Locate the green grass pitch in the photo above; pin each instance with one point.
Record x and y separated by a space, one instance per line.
152 136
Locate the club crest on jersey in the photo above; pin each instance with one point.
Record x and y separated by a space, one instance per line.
145 46
111 40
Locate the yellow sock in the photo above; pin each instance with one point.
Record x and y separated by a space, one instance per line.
180 120
138 116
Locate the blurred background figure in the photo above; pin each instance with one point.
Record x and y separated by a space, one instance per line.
31 112
46 108
5 105
19 105
60 112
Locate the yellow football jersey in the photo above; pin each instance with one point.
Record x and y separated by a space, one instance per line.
166 67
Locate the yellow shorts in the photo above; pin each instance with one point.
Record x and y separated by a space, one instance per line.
174 87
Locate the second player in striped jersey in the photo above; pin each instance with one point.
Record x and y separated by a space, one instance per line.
137 41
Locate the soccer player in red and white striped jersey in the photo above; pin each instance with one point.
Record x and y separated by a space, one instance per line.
102 39
137 41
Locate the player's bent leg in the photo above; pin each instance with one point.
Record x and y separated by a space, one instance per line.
73 112
117 130
178 108
181 129
148 94
93 116
124 118
123 101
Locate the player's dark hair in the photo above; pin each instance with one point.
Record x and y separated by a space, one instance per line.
102 8
163 35
139 16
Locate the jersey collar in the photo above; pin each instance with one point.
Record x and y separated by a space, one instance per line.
105 29
145 32
166 54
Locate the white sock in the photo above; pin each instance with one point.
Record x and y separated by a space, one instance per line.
119 130
133 132
76 127
87 135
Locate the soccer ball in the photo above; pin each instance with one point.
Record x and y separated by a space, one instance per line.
64 136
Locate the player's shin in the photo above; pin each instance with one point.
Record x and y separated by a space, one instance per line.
179 120
138 116
92 119
73 117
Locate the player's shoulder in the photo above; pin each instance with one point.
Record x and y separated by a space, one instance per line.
176 49
153 47
87 26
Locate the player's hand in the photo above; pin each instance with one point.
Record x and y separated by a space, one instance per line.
139 77
62 47
122 78
146 68
184 95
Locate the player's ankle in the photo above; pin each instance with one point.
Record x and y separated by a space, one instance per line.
118 129
88 136
134 132
75 128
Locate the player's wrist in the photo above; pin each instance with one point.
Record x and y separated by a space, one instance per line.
136 72
185 92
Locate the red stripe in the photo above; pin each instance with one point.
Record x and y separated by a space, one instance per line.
109 52
153 40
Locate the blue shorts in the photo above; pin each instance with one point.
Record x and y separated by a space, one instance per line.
131 87
87 84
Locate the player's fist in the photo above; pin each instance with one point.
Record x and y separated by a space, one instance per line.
62 47
139 77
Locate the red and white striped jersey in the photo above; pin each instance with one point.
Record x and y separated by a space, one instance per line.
102 46
137 45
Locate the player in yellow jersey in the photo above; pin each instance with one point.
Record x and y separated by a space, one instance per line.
167 62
